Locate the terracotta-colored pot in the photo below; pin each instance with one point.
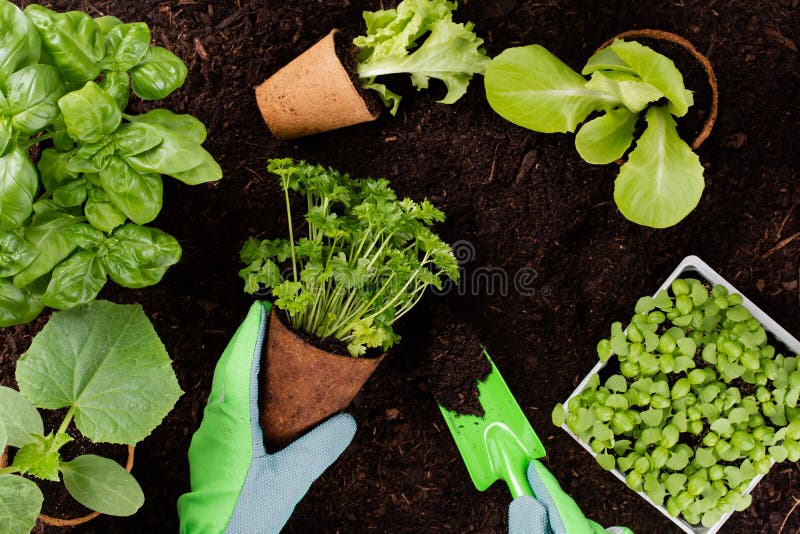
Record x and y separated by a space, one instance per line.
59 522
305 384
314 93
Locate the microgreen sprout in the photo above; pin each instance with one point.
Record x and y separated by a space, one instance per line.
701 404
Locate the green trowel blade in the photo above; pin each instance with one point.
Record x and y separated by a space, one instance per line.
499 445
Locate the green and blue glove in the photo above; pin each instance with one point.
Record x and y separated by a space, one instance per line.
236 487
552 511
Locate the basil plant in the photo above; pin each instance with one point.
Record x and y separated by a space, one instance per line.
79 178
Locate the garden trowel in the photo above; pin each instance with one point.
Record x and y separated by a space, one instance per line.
499 445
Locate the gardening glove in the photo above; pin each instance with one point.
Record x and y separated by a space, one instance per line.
552 511
236 487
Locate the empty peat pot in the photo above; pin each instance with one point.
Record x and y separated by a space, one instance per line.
304 384
315 93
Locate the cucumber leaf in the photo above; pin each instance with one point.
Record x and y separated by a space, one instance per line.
20 504
662 181
532 88
107 362
20 419
102 485
606 138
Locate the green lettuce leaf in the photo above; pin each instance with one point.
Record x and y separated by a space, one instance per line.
107 362
657 70
634 93
606 138
450 53
534 89
662 181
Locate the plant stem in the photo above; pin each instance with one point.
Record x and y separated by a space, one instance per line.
67 420
9 470
291 232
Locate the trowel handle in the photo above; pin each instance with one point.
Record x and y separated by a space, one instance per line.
511 462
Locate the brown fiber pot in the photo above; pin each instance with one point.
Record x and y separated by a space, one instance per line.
314 93
305 384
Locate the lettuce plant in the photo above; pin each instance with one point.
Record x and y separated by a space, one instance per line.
76 217
105 363
662 180
365 262
449 52
701 405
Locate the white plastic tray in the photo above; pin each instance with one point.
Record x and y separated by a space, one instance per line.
693 264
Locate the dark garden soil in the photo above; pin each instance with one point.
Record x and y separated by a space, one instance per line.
520 205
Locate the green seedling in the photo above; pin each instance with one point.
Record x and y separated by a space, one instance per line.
662 180
675 420
105 364
75 218
367 259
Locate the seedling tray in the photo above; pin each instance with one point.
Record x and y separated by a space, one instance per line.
694 266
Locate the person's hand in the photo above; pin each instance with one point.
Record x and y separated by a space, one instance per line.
236 487
552 511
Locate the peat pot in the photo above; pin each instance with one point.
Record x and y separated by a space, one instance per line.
304 384
316 92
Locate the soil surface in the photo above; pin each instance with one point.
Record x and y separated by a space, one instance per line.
548 261
456 364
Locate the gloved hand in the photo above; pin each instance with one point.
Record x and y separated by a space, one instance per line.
552 511
236 486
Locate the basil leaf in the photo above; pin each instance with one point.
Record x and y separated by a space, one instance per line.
17 306
138 196
101 212
32 95
20 418
208 171
126 45
20 504
73 41
135 138
90 113
53 169
19 45
106 361
185 124
140 256
15 254
532 88
91 157
103 485
606 138
662 181
6 134
177 153
19 183
158 74
71 194
118 86
47 233
77 280
106 23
